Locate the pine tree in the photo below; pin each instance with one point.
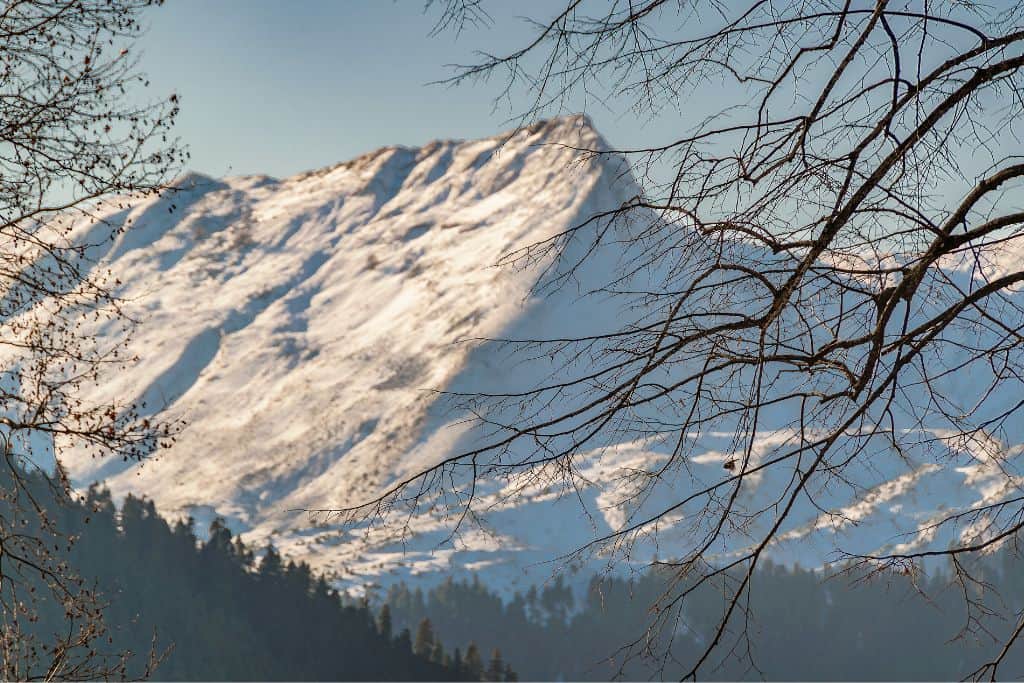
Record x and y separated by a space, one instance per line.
404 641
473 664
437 653
510 675
457 665
495 668
424 643
244 555
384 621
271 566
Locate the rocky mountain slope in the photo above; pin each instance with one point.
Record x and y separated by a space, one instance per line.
301 327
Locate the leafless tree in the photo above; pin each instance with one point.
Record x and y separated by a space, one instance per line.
831 252
70 138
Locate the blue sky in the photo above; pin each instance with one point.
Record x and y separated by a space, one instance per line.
281 87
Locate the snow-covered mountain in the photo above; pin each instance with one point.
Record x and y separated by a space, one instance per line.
300 327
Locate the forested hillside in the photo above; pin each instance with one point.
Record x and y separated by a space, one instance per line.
801 627
216 609
213 611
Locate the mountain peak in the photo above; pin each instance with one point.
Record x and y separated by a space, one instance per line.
303 328
574 131
565 126
299 326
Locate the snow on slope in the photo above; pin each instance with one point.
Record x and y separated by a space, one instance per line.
300 326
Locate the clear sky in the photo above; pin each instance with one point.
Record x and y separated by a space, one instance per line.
280 87
283 86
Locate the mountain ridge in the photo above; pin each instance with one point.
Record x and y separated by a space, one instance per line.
302 323
304 328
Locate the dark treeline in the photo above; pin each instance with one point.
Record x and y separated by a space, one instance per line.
216 611
801 627
219 611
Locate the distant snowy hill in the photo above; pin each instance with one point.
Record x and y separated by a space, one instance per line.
300 327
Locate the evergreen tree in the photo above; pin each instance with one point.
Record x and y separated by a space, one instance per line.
271 566
424 643
473 664
437 653
457 665
384 621
510 675
495 668
404 641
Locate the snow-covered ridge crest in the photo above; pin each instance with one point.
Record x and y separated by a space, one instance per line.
303 327
300 325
